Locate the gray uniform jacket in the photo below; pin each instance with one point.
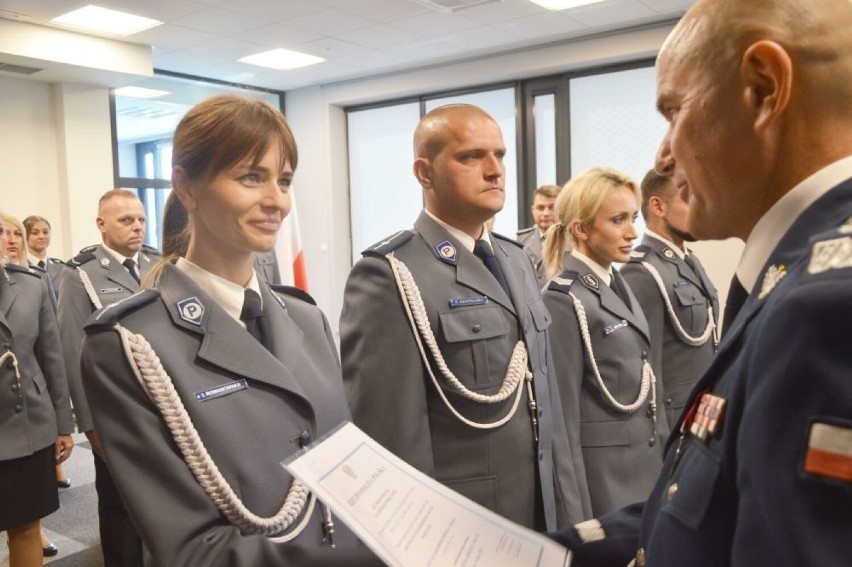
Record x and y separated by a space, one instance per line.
274 403
679 365
53 268
266 266
532 243
621 451
112 282
36 409
476 326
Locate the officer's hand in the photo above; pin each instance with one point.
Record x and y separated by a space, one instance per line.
63 447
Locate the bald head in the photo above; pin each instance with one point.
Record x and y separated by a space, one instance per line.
436 127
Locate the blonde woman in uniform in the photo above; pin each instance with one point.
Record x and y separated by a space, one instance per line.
247 370
600 339
35 411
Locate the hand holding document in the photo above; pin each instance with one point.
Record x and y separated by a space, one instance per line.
407 518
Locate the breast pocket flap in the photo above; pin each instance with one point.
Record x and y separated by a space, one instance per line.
694 485
540 315
473 323
689 295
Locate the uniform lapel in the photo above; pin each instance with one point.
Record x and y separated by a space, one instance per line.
8 294
286 335
225 343
470 271
114 271
514 276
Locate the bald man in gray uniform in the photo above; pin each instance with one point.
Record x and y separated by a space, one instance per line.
461 389
98 276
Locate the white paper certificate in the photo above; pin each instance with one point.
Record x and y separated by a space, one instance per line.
407 518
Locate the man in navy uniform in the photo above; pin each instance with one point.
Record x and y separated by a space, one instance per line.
757 97
445 344
532 238
98 276
679 300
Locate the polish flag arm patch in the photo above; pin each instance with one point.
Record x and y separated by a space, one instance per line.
829 452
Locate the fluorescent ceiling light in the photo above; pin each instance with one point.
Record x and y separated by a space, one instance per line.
105 21
139 92
282 59
563 4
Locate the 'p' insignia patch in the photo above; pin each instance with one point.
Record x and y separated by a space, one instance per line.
829 453
447 251
191 310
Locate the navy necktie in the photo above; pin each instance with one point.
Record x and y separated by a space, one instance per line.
131 267
737 295
252 316
42 266
483 251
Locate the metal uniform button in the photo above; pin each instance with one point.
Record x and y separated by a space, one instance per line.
18 408
305 438
671 491
652 441
644 354
476 328
669 401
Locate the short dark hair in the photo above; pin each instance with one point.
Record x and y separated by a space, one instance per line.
654 185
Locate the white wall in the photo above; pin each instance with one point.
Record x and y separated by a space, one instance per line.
57 157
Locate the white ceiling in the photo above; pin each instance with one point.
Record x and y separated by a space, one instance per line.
359 38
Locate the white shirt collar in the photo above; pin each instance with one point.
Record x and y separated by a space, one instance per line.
33 261
121 258
677 250
226 293
464 238
780 217
604 275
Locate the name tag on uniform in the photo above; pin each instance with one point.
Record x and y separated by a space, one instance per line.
220 391
612 328
111 289
465 301
681 283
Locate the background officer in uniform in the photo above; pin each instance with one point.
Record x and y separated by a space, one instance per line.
760 145
609 391
35 414
679 300
38 231
523 468
99 276
252 368
543 217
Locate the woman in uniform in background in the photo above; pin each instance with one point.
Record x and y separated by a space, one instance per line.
246 371
600 339
35 411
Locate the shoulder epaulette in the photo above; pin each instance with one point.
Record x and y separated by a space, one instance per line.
151 250
108 316
525 230
389 244
293 291
507 239
57 261
562 283
23 270
83 256
831 250
639 253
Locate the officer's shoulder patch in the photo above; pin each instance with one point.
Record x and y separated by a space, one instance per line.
389 244
85 255
526 230
57 261
108 316
23 270
151 250
638 254
507 239
293 291
562 283
830 250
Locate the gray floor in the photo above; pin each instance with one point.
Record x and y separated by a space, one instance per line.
74 527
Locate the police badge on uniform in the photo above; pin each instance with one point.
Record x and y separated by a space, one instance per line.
447 251
191 310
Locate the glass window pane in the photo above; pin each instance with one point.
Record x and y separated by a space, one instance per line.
614 123
544 113
384 194
500 104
